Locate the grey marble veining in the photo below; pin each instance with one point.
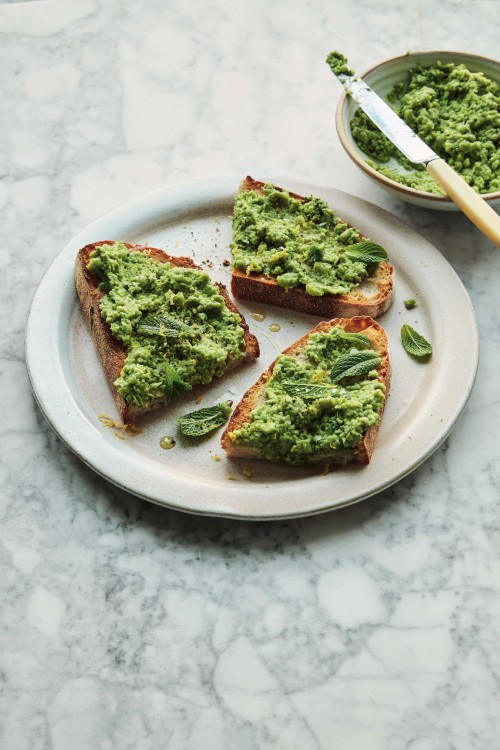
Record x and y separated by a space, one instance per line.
124 625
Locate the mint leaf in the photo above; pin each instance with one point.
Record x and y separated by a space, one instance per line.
163 325
414 342
173 384
355 364
309 390
366 252
358 340
201 422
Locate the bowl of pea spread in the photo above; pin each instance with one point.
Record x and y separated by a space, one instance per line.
452 101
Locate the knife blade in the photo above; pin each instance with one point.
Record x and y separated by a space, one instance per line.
388 121
415 149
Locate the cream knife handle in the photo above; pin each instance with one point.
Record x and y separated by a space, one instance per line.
471 203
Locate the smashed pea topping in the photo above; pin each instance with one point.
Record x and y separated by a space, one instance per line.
338 64
456 112
295 429
299 243
172 321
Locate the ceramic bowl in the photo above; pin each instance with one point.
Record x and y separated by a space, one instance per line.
382 77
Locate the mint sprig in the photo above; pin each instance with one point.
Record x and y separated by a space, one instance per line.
355 364
366 252
414 342
309 390
163 325
173 384
201 422
358 340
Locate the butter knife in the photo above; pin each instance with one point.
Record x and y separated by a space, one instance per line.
414 148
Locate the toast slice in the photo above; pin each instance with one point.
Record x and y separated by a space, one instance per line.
112 352
373 296
237 445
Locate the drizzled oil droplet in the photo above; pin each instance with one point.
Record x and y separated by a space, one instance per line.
275 327
258 315
167 442
122 429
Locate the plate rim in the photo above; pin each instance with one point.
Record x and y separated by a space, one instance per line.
217 190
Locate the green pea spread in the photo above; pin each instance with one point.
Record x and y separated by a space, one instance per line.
294 429
172 321
300 243
456 112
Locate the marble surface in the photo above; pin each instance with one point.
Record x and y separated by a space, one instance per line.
124 625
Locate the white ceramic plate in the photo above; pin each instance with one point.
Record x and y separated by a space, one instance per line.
425 401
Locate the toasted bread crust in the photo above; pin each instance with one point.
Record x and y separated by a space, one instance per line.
254 396
111 352
266 290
